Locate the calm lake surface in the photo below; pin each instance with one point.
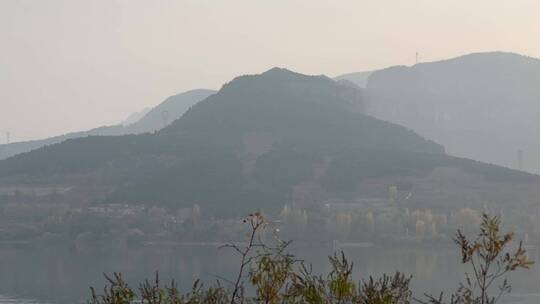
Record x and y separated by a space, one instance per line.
61 275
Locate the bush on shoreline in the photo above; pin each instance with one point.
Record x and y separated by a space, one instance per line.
274 276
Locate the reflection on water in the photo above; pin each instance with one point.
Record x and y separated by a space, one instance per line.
61 275
15 300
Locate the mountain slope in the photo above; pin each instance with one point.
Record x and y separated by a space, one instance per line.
358 78
484 106
155 119
135 116
168 111
259 142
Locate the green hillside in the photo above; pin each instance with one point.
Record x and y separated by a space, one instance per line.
247 146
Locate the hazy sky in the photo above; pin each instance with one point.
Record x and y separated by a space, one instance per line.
68 65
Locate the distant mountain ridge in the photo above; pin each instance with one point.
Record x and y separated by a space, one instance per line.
135 116
484 106
150 121
358 78
260 142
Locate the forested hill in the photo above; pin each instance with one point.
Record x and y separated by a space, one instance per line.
278 106
163 114
248 146
484 106
294 110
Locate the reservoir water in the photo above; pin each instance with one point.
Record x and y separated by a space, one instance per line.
64 275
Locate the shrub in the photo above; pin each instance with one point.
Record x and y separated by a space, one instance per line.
278 277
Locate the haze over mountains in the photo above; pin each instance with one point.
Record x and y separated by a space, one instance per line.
484 106
139 138
263 141
149 120
358 78
135 116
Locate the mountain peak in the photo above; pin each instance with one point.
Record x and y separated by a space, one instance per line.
494 54
277 72
273 76
494 58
